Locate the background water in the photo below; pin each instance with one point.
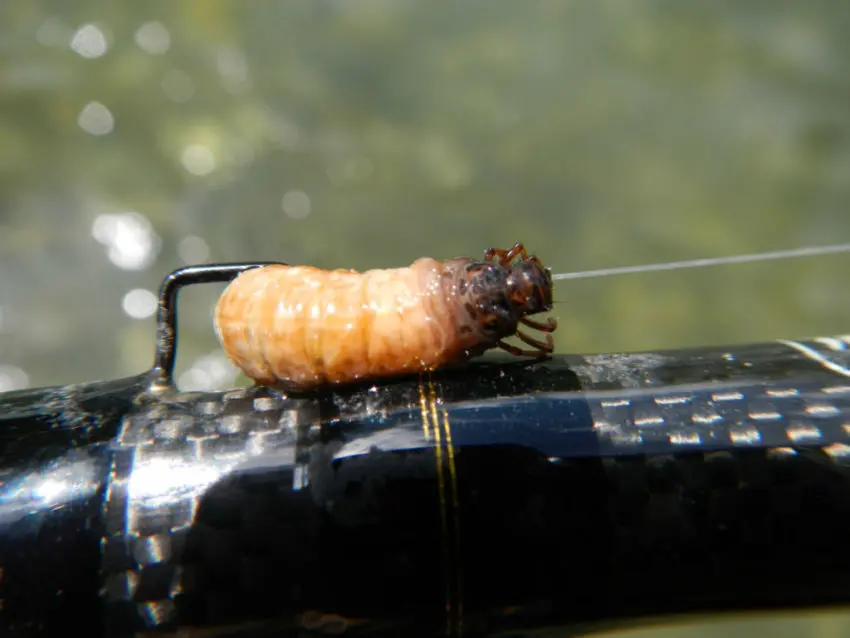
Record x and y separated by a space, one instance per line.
139 137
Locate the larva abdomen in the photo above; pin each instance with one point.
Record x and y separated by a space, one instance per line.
307 327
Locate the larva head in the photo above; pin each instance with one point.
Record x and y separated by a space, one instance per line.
495 297
529 287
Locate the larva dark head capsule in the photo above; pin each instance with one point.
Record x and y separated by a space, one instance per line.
498 296
529 286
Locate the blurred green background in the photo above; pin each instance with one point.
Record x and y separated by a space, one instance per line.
138 137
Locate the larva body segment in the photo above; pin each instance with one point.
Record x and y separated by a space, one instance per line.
304 327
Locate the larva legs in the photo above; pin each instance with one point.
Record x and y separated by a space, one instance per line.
504 257
519 352
541 348
550 325
547 347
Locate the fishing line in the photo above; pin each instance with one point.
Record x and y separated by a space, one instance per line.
713 261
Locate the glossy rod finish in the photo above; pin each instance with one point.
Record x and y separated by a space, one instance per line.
496 497
53 460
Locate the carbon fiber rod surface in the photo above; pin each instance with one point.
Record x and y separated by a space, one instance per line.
492 500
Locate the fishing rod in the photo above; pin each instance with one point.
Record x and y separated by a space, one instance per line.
495 498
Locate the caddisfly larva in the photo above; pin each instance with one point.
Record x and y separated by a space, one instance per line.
304 327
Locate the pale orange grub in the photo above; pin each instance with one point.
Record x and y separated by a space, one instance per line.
304 327
308 327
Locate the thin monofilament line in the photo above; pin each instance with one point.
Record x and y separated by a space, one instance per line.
704 263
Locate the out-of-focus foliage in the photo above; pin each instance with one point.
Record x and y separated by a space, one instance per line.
366 133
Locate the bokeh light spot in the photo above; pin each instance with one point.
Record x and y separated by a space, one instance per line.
13 378
53 32
129 238
198 159
96 119
296 204
153 37
208 373
89 42
193 250
139 303
233 68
